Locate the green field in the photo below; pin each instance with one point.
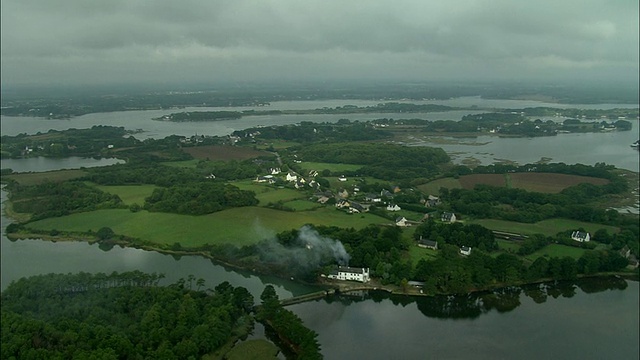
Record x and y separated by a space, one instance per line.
238 226
41 177
302 205
277 144
268 194
433 187
508 246
416 253
334 168
556 250
130 194
548 227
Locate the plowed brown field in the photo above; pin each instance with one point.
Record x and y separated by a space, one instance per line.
551 183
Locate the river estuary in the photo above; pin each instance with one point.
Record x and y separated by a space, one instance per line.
594 319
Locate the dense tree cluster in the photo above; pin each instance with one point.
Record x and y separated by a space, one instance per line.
72 142
135 174
383 161
199 198
51 199
204 116
307 132
473 235
486 201
450 273
301 340
117 316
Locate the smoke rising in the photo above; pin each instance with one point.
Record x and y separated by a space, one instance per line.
309 250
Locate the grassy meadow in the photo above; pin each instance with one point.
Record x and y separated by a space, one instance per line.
129 194
549 227
433 187
49 176
238 226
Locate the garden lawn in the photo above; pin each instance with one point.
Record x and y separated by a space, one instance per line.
129 194
237 226
416 253
548 227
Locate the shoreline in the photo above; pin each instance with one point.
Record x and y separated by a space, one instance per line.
342 287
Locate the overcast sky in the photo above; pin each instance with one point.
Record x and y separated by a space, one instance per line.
134 41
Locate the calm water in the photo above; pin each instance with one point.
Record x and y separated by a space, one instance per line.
574 325
588 148
40 163
612 148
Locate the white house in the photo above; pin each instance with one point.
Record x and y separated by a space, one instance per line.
342 178
349 273
291 177
465 250
448 217
393 207
402 221
266 178
274 171
580 236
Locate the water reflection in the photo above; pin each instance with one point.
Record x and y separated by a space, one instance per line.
472 306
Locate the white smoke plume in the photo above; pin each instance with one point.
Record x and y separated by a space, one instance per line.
308 251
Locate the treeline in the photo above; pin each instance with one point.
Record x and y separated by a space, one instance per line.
289 328
128 321
473 235
198 198
72 142
486 201
136 174
450 273
382 161
203 116
306 132
599 170
52 199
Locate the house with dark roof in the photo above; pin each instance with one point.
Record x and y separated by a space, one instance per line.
428 244
580 236
448 217
402 221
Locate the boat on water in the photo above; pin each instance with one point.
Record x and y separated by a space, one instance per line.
636 145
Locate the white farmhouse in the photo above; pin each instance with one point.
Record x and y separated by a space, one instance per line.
393 207
349 273
580 236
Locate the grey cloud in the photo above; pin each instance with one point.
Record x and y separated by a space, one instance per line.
59 39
